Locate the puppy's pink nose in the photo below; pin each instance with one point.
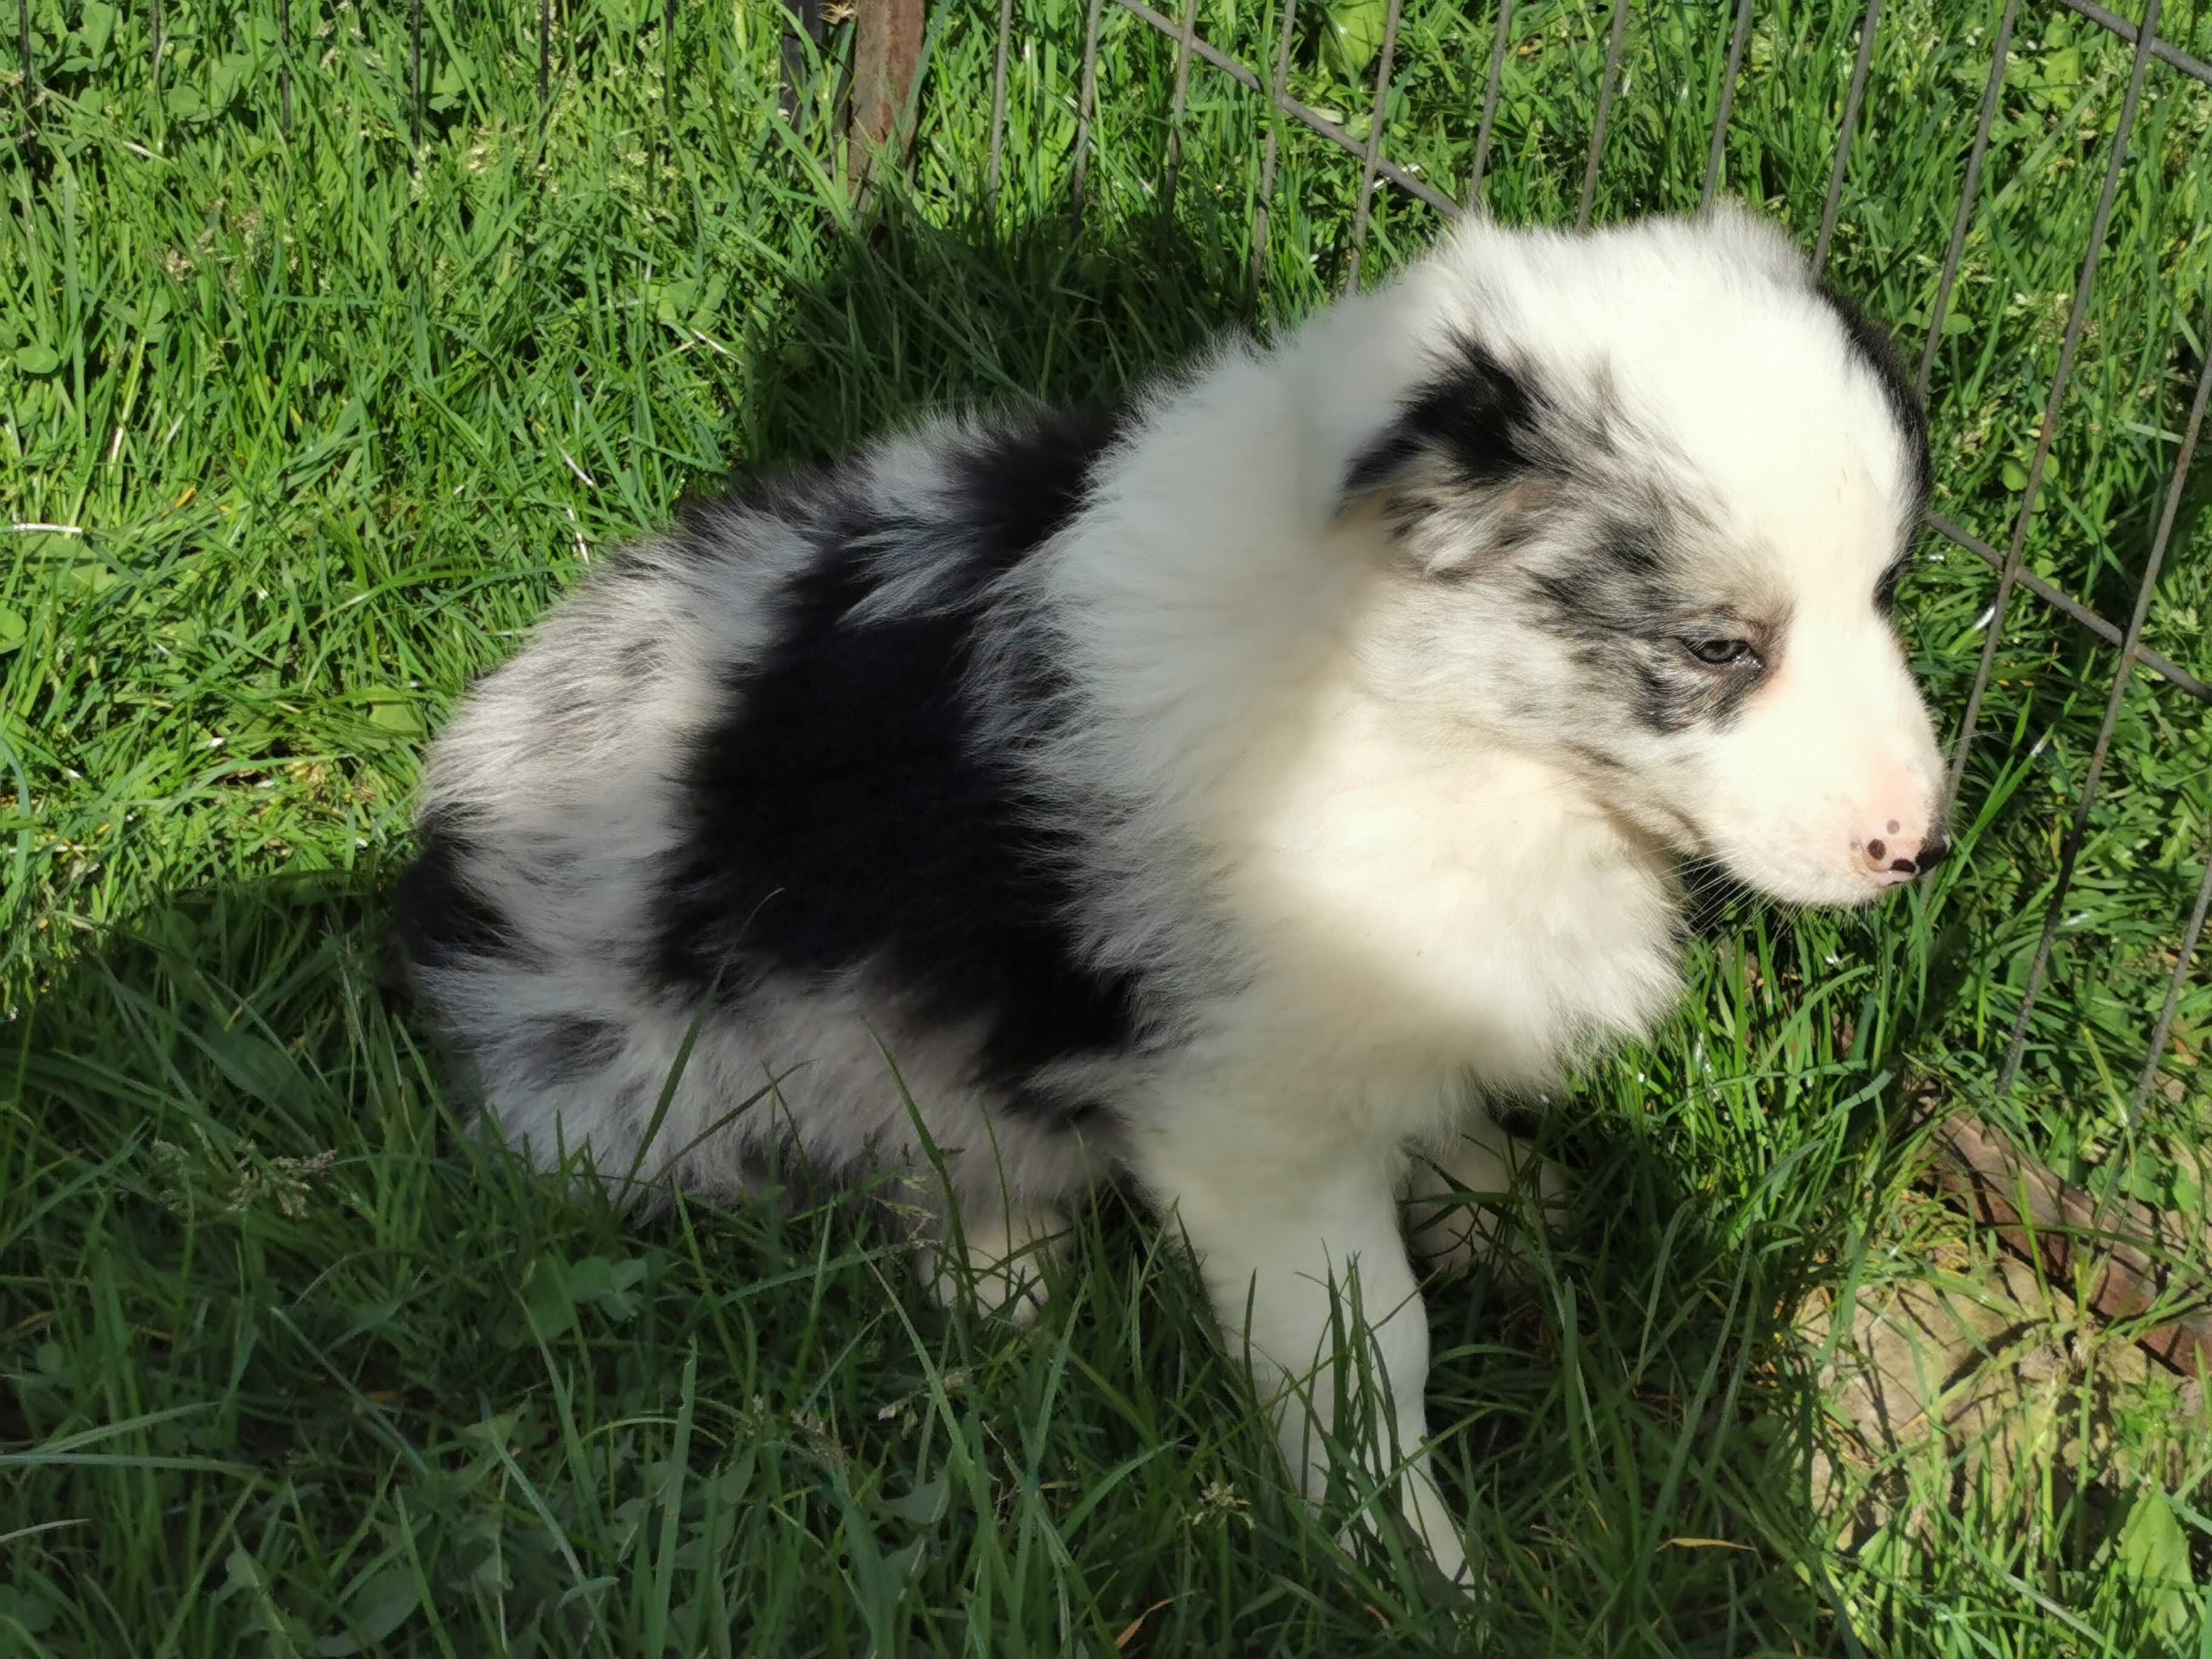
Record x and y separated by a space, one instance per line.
1903 853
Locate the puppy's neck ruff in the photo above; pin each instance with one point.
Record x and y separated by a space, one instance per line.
1419 889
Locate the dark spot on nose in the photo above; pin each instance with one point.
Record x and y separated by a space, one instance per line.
1876 851
1892 826
1938 848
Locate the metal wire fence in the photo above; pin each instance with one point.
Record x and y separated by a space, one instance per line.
890 62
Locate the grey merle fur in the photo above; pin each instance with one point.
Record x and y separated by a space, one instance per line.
845 809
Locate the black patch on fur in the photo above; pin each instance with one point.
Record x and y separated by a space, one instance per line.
1617 585
777 1166
1476 414
1874 348
441 919
844 809
560 1049
1632 549
1617 605
1021 487
1674 691
1885 588
1044 1106
795 495
1521 1118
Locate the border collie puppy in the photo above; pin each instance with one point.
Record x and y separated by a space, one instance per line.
1250 788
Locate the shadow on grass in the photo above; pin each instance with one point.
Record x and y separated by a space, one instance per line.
290 1353
275 1311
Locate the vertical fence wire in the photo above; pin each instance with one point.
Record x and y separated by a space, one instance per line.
998 109
802 89
1086 102
1852 100
1266 196
2009 577
1608 91
1482 136
284 64
2164 1030
30 66
2078 831
1362 208
414 67
545 59
1718 150
668 79
1969 193
1177 100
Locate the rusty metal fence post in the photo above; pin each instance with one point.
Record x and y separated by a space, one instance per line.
886 55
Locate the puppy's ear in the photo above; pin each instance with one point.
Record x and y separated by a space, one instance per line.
1458 474
1876 352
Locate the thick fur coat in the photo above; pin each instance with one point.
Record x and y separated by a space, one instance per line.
1248 787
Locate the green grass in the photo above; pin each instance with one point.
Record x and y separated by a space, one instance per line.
295 1366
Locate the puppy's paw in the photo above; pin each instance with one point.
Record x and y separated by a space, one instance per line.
1432 1525
1466 1210
1001 1272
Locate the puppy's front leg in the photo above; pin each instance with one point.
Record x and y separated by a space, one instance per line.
1284 1233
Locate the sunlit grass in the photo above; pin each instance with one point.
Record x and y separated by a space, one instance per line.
325 419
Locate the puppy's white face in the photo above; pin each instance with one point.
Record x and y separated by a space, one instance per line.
1647 516
1823 784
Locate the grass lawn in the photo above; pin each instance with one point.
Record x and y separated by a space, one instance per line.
325 419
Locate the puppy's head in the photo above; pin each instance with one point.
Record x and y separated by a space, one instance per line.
1645 509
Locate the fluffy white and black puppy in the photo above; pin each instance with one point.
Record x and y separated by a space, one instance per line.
1246 788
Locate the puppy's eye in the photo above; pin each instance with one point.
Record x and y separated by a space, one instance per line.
1722 654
